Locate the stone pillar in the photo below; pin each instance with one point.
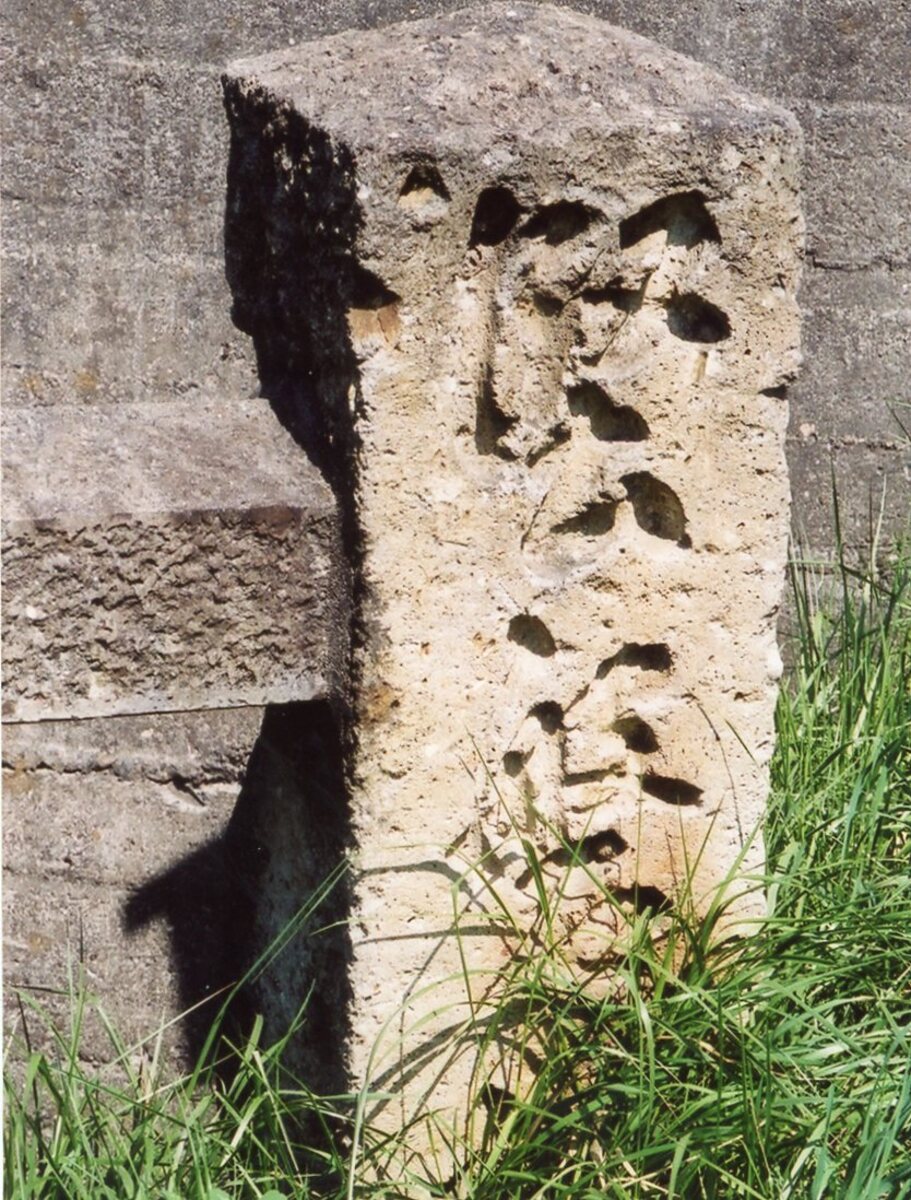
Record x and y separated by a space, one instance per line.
527 282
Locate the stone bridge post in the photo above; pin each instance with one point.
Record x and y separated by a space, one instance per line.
525 285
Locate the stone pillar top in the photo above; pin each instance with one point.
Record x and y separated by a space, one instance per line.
489 73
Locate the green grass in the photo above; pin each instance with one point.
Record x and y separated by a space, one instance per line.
773 1066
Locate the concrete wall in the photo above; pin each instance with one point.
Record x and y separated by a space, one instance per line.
114 186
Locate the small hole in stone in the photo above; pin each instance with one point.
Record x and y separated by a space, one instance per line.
368 291
491 423
495 216
776 393
609 422
684 215
598 847
513 762
626 300
637 734
642 897
547 306
549 716
558 222
601 847
580 778
532 634
657 507
671 791
651 656
694 319
422 184
594 520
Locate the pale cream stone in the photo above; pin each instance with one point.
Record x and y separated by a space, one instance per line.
566 260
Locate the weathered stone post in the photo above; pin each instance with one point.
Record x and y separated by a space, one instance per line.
525 283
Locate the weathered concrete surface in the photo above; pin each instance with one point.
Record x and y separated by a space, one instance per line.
542 276
159 558
164 557
157 856
114 197
114 863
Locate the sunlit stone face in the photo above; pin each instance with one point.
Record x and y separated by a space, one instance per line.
555 320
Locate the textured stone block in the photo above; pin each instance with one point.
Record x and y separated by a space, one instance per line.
164 557
537 276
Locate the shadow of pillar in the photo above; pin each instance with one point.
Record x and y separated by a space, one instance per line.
228 901
292 285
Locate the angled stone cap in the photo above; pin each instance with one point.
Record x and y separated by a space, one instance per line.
484 75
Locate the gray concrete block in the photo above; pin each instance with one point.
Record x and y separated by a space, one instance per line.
820 49
189 749
133 326
872 486
163 557
846 50
133 847
118 800
56 931
857 347
122 237
115 174
858 183
210 31
114 133
96 828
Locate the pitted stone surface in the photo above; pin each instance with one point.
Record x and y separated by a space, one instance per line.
537 277
163 557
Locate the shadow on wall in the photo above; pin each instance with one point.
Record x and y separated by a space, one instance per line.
291 224
227 901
